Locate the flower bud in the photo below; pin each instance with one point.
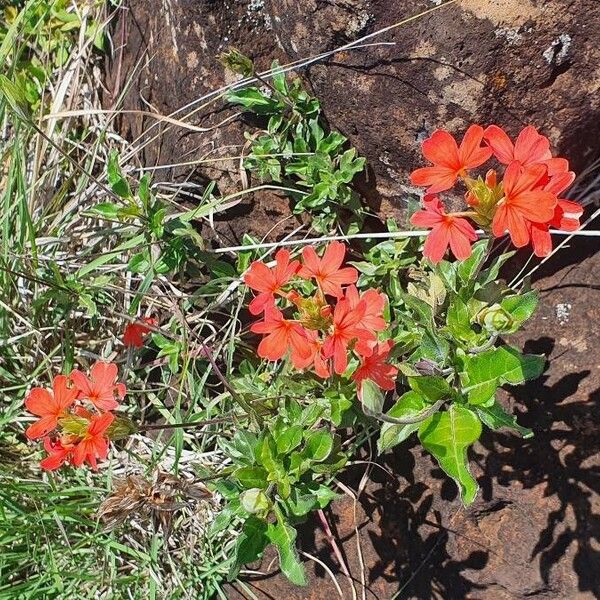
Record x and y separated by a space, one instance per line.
256 502
494 318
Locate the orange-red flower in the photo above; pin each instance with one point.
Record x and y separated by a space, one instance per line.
101 387
49 406
59 451
524 203
269 281
94 443
315 358
347 328
446 230
566 215
376 368
530 147
134 333
449 160
326 270
282 335
373 318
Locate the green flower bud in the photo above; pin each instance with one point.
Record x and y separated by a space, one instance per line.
494 318
256 502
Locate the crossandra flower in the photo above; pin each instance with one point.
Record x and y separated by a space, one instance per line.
134 333
446 230
281 336
347 329
327 271
566 215
93 445
449 160
49 406
101 387
530 148
269 282
59 451
315 359
376 368
524 203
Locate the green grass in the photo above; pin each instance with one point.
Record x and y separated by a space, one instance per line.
61 306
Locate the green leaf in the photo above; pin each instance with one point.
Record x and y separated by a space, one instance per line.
301 501
15 97
447 435
458 320
431 387
269 459
318 445
108 210
495 417
467 268
251 477
372 397
284 537
497 366
289 439
408 405
250 544
520 307
254 100
118 183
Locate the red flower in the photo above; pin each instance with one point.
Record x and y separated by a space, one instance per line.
347 327
529 149
59 451
373 318
524 203
94 443
100 388
269 281
48 406
134 333
376 369
282 335
326 270
316 358
450 161
447 230
566 215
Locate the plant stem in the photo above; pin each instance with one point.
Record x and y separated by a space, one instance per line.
190 424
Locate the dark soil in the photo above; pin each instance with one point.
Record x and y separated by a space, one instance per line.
534 530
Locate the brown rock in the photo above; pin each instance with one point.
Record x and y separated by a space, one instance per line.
511 62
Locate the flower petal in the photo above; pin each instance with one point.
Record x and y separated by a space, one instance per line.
500 144
442 150
40 402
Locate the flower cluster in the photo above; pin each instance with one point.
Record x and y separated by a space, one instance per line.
75 416
325 328
525 203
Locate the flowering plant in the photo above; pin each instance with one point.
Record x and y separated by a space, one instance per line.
525 203
389 346
75 418
331 324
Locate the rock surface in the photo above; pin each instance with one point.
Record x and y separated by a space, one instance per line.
511 62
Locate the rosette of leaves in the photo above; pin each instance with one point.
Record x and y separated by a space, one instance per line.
295 150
